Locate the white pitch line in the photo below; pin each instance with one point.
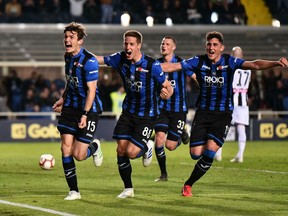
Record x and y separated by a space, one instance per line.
36 208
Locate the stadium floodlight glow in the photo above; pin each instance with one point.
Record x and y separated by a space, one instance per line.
276 23
22 26
214 17
125 19
169 22
150 21
60 26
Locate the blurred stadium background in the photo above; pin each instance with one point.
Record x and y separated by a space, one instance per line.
31 59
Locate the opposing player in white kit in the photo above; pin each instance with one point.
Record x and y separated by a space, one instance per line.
240 116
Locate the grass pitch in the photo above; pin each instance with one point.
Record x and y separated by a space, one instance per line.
259 186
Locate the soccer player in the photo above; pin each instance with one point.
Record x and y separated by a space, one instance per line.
240 116
214 72
79 106
172 118
143 79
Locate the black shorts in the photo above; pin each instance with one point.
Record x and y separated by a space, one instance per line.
210 125
68 124
172 123
135 129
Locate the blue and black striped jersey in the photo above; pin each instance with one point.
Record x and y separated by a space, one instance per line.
79 70
215 81
141 81
177 102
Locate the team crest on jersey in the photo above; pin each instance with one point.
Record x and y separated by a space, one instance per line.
78 64
141 69
221 67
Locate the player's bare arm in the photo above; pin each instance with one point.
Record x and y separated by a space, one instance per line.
264 64
166 91
91 93
171 67
100 59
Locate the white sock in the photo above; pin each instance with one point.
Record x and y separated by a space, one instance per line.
241 140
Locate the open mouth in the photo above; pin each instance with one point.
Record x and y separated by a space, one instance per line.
128 53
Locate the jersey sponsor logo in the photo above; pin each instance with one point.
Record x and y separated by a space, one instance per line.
139 69
212 81
133 85
78 64
92 60
222 67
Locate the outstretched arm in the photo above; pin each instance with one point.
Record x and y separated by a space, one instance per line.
264 64
171 67
100 59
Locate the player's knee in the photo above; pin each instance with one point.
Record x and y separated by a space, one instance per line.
209 153
172 145
79 157
195 156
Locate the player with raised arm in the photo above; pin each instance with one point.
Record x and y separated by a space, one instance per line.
79 106
214 72
144 81
240 116
170 125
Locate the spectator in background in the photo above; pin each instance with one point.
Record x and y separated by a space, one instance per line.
107 11
254 90
30 10
13 10
14 91
177 12
193 15
269 82
117 98
92 11
223 11
76 10
238 12
2 11
30 101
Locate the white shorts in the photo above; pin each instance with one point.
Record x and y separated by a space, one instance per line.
240 115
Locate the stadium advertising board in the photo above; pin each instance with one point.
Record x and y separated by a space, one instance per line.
44 130
270 130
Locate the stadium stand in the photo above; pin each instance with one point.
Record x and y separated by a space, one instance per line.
44 42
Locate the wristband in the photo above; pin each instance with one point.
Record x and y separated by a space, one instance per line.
84 112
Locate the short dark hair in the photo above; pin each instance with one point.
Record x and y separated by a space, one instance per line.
172 38
76 27
134 33
215 34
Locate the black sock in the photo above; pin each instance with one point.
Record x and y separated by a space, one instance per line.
161 158
201 167
70 172
125 170
92 148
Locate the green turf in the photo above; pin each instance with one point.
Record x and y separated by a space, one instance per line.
259 186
